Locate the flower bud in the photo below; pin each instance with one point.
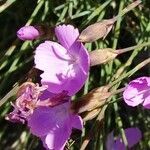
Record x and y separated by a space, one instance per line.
97 30
102 56
28 33
92 100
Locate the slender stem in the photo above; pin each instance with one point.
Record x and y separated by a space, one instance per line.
86 86
121 71
116 33
115 42
127 9
6 5
9 94
36 10
117 91
130 7
120 124
120 51
131 72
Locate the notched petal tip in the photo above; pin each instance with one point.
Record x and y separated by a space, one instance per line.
66 35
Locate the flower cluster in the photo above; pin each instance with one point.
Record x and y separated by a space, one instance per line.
65 65
46 108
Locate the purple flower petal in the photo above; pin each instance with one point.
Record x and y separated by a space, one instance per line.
41 121
53 125
133 136
46 95
110 141
118 145
63 69
45 119
52 59
136 91
146 103
77 122
66 35
49 56
58 138
131 96
81 55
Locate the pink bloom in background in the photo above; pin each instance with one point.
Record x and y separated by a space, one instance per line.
138 92
54 125
133 136
65 66
28 33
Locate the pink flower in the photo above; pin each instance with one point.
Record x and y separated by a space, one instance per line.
133 136
28 33
47 115
65 66
138 92
54 125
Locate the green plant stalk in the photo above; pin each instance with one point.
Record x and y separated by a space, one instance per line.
116 36
46 9
118 18
116 33
6 5
9 94
36 10
86 88
121 71
130 7
96 12
62 16
12 67
129 61
120 124
127 9
136 47
118 120
131 72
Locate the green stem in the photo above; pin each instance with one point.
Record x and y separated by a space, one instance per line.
130 7
115 42
120 124
86 86
6 5
131 72
117 32
120 51
9 94
36 10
